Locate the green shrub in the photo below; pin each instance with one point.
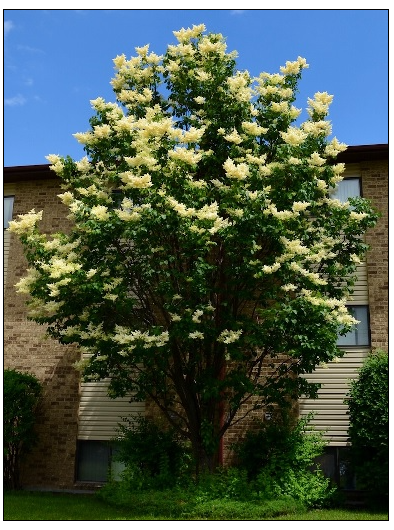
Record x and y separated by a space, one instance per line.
228 510
280 461
21 394
225 483
155 458
368 404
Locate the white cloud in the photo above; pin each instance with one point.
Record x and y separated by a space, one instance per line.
15 101
8 26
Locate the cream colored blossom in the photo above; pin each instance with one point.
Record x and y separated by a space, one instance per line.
239 86
24 285
282 215
181 50
57 163
320 104
196 317
136 181
314 277
316 160
59 267
83 165
126 124
355 216
289 287
193 135
317 128
281 107
236 171
100 212
181 208
334 148
196 335
26 223
269 269
208 212
119 61
355 258
300 206
251 127
184 35
142 159
102 131
294 67
84 138
206 46
293 136
142 50
229 336
185 155
274 79
219 224
135 96
233 137
321 184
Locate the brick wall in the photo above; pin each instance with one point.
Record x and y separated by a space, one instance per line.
375 187
51 464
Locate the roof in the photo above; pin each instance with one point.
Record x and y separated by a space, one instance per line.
354 153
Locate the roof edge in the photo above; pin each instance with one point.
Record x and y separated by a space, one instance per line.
354 153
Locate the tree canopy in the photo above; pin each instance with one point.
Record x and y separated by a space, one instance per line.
208 265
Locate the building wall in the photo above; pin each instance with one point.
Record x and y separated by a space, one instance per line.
25 348
330 411
375 187
52 462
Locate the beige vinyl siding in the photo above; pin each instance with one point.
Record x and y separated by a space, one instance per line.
360 288
330 411
8 191
99 415
331 414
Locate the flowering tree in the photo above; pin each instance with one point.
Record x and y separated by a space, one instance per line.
205 244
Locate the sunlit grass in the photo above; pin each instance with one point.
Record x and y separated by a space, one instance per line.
43 506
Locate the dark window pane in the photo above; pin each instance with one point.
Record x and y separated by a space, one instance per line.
93 461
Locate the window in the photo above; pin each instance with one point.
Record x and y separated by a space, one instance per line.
359 335
347 189
8 207
95 461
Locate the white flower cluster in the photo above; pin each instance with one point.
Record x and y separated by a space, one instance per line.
129 338
229 336
26 224
294 67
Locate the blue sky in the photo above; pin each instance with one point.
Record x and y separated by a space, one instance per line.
56 61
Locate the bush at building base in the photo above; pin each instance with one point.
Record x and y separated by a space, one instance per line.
21 395
369 425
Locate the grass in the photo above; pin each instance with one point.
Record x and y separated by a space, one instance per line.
44 506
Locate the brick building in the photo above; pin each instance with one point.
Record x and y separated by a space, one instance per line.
76 420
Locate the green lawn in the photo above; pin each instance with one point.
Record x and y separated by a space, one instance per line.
39 506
